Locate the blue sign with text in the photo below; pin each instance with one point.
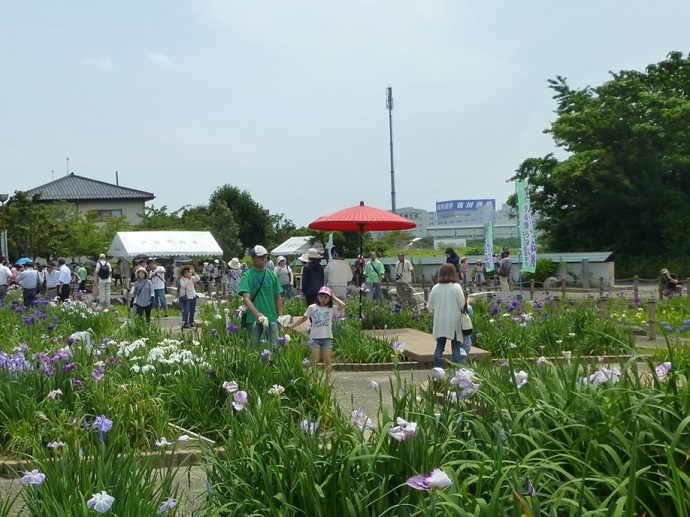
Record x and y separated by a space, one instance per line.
464 204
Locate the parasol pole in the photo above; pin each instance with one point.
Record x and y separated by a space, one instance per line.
361 254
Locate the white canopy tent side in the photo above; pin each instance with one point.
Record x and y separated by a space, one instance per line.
294 246
164 244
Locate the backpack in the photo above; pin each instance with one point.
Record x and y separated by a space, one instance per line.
465 321
504 270
104 271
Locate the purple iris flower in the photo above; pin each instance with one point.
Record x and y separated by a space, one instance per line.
431 481
103 424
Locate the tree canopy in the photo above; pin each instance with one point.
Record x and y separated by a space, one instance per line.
625 182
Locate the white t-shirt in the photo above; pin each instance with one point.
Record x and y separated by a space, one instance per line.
403 269
321 318
157 279
5 275
337 273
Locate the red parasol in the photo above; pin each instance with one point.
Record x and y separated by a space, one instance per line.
361 218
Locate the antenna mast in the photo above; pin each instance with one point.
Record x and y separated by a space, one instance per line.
389 107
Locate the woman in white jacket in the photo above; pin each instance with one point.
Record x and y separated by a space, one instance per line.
446 301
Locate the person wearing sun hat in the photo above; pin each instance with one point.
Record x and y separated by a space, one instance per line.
284 274
670 283
261 292
321 333
312 276
142 293
234 275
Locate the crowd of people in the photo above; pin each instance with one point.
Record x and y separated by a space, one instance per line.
264 285
54 280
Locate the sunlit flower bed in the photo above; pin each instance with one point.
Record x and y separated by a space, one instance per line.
83 400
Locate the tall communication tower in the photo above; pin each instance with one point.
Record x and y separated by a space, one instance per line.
389 107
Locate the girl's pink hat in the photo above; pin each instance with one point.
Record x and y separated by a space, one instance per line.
326 290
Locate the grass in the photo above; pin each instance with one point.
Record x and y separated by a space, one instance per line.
592 439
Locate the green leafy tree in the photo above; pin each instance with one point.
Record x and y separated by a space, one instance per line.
37 229
625 183
158 219
225 230
252 219
280 229
89 235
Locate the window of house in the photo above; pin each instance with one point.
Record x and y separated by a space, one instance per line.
105 214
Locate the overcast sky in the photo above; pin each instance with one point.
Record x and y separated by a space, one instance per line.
286 99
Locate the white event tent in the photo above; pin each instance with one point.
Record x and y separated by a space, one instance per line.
294 246
164 244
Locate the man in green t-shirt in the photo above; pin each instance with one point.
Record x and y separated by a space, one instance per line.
375 273
261 290
82 274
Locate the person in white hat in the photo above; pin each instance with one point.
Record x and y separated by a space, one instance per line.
234 276
261 292
312 276
284 274
103 275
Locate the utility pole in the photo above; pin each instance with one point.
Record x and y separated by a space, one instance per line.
389 107
67 167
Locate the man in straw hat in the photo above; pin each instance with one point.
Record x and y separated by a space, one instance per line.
261 292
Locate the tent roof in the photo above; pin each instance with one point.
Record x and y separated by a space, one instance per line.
164 244
294 246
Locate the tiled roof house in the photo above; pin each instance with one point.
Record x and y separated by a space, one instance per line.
85 194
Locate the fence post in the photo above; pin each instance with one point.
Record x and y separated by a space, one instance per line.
563 287
687 286
602 306
661 289
555 302
636 288
601 286
652 319
531 289
426 294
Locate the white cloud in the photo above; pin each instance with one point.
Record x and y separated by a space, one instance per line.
159 59
104 64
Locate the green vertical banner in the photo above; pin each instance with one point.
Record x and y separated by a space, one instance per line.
489 247
527 243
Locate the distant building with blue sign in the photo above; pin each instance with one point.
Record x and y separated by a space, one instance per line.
462 219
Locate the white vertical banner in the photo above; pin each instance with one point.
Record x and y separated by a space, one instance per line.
489 247
3 244
329 245
527 243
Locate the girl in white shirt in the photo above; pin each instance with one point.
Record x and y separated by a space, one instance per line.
321 333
